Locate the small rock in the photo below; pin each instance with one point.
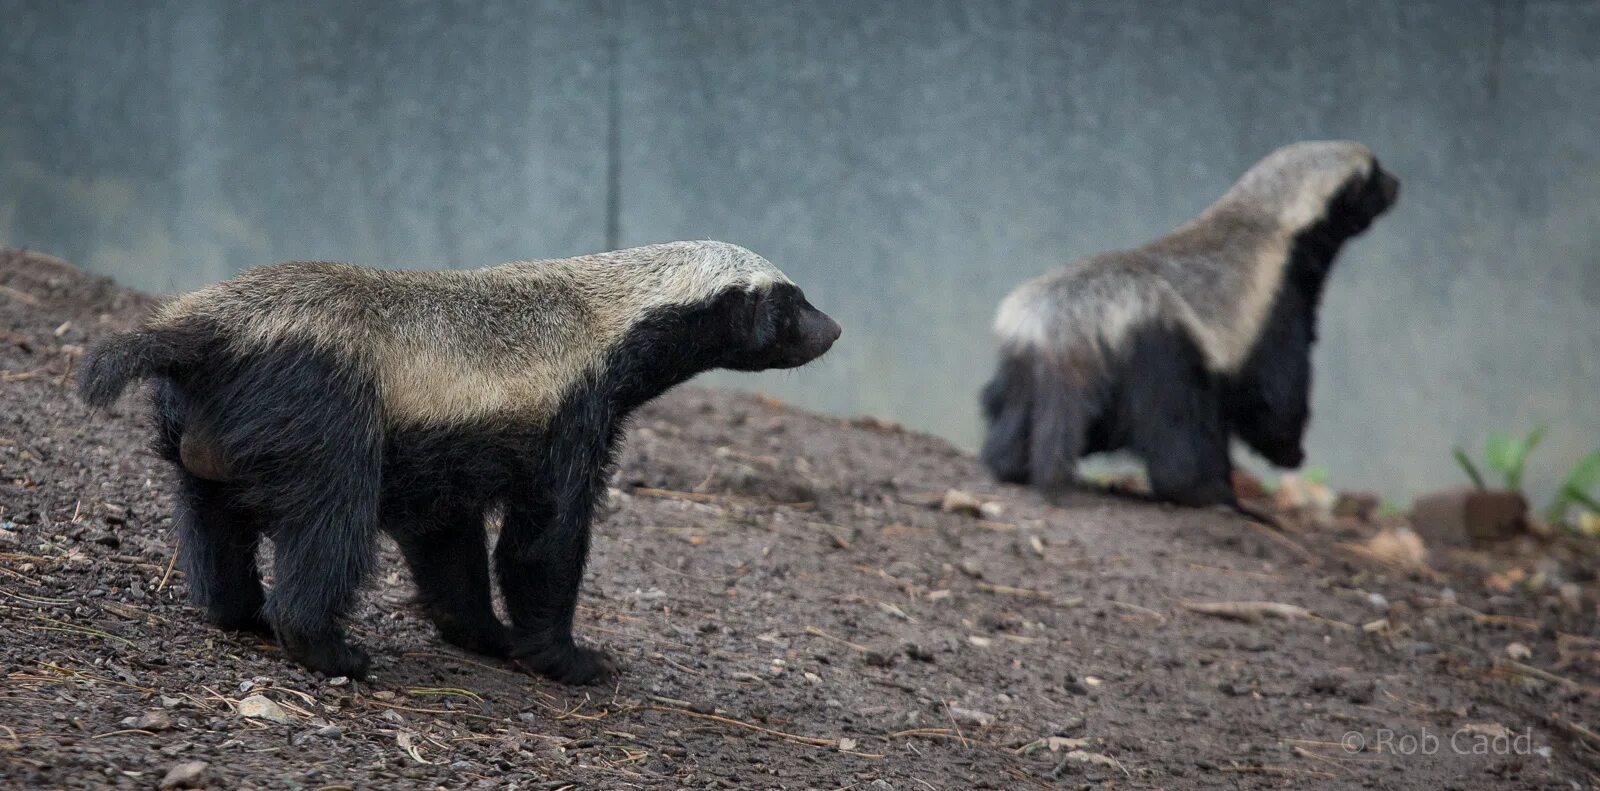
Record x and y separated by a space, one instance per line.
1070 726
1326 684
918 653
959 502
1297 492
338 681
1360 692
1458 516
1571 595
880 785
970 569
330 731
1518 651
156 720
189 774
981 719
879 659
992 510
1247 486
1401 547
1361 506
259 707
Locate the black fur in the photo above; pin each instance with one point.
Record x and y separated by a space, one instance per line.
1157 398
311 466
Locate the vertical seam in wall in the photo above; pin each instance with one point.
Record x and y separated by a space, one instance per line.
614 127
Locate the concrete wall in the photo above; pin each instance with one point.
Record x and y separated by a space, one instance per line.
906 162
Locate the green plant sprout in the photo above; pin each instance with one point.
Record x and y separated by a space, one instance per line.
1509 455
1471 469
1316 475
1504 454
1581 479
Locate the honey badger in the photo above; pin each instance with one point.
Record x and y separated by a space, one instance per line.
1170 349
317 403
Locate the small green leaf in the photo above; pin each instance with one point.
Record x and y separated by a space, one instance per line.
1316 475
1498 453
1509 455
1584 475
1524 450
1469 468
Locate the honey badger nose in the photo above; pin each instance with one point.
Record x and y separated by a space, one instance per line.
1390 187
817 333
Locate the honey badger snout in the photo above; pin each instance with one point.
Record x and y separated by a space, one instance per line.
815 334
778 328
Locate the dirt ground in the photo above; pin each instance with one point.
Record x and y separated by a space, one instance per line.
792 609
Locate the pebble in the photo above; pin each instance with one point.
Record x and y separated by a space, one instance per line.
1360 692
259 707
1070 726
189 774
156 720
1326 684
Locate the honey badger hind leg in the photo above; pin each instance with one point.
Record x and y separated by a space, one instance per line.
1007 402
301 435
217 534
1064 406
450 566
217 542
1173 414
323 548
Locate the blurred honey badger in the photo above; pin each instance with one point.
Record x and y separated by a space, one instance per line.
1171 348
316 403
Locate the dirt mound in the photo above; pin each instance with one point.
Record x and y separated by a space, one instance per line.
793 609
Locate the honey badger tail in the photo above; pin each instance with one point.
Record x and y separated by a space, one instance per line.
125 357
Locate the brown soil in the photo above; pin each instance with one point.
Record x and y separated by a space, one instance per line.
792 609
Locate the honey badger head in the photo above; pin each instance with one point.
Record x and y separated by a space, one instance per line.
716 305
775 327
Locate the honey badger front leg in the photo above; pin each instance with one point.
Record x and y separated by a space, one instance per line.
544 543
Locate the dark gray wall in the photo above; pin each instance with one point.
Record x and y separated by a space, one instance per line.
906 162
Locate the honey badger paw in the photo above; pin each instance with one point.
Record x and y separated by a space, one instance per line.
326 653
487 639
564 662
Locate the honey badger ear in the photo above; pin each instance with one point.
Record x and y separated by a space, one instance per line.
762 318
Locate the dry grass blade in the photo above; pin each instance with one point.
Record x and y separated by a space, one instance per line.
1027 593
817 632
1293 545
20 296
445 692
714 499
788 737
1512 667
63 626
1247 611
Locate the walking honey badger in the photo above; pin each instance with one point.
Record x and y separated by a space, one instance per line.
318 403
1170 349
